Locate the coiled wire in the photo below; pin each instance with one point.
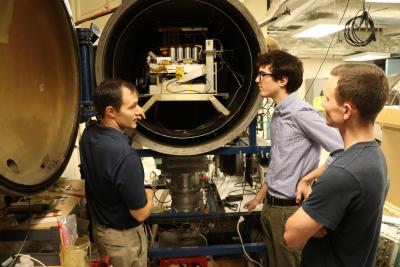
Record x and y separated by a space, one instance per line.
357 24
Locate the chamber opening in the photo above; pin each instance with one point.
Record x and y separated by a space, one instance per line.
177 33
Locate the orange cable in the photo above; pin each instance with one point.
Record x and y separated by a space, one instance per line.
106 6
95 16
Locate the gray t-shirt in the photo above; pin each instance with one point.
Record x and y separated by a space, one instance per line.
348 200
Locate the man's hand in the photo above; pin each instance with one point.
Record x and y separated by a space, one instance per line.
304 185
321 232
252 204
303 190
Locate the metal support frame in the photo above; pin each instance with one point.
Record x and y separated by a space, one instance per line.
212 214
206 250
252 148
187 97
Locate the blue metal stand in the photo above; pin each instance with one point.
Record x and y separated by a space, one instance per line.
86 59
252 148
206 250
212 214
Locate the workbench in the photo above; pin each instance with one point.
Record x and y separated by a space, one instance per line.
39 236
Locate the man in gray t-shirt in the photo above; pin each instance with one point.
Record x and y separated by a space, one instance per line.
340 221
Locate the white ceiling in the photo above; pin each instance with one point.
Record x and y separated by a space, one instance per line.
386 18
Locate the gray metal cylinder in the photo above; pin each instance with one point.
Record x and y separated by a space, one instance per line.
172 53
185 192
187 53
195 53
179 53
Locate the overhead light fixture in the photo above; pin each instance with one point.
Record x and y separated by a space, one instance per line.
366 56
318 28
383 1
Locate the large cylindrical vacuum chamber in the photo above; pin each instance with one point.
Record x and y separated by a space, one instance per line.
39 92
186 127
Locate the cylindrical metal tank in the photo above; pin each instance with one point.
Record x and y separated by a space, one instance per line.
179 53
40 93
185 192
186 127
187 53
195 53
172 53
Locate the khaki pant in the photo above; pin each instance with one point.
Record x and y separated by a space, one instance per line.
127 248
273 219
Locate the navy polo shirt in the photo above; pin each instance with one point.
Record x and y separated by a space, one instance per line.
114 176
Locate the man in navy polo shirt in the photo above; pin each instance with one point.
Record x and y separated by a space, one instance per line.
117 200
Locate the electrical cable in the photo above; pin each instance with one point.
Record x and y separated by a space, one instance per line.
26 236
101 14
219 187
225 66
163 202
244 192
106 6
241 219
229 205
326 54
205 239
355 25
151 236
265 110
393 95
32 258
240 184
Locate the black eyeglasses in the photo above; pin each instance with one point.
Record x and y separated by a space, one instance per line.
261 75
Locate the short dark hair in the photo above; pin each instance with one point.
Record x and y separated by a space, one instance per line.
364 85
284 64
109 93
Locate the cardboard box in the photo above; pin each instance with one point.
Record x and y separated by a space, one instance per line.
389 119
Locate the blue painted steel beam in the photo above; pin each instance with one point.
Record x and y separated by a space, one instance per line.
252 148
233 150
253 133
86 54
206 250
177 215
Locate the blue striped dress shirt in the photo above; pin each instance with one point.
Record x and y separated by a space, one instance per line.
297 134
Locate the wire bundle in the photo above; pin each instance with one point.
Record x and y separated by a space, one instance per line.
355 25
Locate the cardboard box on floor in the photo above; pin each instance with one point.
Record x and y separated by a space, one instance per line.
389 119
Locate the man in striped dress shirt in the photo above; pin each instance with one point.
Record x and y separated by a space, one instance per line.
297 134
